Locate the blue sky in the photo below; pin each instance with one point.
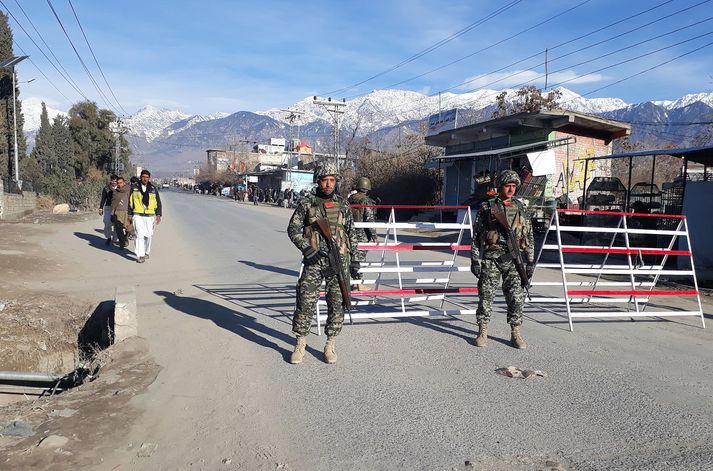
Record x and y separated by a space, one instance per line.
218 55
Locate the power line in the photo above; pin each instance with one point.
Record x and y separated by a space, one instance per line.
95 57
665 17
67 77
40 71
576 77
660 64
432 47
86 69
490 46
415 106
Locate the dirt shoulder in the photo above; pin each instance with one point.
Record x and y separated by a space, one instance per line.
45 300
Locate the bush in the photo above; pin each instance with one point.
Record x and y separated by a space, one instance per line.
79 194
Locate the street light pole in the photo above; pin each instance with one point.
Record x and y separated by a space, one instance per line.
14 122
12 62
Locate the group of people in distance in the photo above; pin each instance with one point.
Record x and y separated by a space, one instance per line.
131 210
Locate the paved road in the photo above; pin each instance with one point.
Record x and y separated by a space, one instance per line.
215 301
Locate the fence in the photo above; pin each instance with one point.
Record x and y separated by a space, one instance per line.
629 285
388 277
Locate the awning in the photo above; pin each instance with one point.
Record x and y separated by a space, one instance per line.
504 152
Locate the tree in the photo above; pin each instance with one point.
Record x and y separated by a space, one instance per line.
527 99
63 146
92 137
44 150
7 129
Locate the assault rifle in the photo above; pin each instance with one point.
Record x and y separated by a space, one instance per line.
498 212
336 263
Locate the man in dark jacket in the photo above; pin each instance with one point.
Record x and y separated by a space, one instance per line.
105 207
119 210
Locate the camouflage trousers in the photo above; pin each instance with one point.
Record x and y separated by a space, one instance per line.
361 237
307 297
490 274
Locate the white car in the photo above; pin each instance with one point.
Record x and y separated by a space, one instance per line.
165 185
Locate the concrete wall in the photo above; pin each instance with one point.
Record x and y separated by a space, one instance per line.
573 182
13 206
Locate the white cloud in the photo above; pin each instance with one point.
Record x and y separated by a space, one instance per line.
527 77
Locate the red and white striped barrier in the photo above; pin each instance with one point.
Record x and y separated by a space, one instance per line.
636 282
386 270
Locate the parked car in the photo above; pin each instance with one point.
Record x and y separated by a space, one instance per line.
165 185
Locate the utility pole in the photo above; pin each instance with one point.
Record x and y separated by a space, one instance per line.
546 72
117 146
292 117
333 108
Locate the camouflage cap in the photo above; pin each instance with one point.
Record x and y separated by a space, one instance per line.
508 176
324 169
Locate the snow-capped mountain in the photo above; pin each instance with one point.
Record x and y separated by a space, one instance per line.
706 98
150 121
170 138
184 124
383 108
32 109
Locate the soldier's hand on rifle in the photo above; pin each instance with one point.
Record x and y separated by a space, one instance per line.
354 267
530 270
475 268
312 256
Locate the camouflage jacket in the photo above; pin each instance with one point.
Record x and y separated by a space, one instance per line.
489 236
362 214
311 208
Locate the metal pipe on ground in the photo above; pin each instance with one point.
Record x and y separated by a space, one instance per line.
30 377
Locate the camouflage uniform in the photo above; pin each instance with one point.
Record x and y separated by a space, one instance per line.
363 215
303 235
496 260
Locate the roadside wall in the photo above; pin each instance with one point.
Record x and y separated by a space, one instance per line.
14 206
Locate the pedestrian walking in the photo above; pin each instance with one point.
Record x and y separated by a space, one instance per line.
144 213
105 208
120 211
361 198
322 203
495 255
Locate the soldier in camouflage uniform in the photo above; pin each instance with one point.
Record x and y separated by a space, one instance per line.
323 202
361 197
490 258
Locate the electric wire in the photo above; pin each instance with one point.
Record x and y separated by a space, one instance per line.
46 45
432 47
84 65
490 46
40 71
418 103
95 57
67 77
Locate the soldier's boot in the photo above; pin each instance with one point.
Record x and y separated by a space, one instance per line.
330 355
482 339
299 352
516 338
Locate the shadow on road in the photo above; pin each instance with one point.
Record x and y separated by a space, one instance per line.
260 266
99 242
241 324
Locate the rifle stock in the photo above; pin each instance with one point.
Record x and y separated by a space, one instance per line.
335 261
